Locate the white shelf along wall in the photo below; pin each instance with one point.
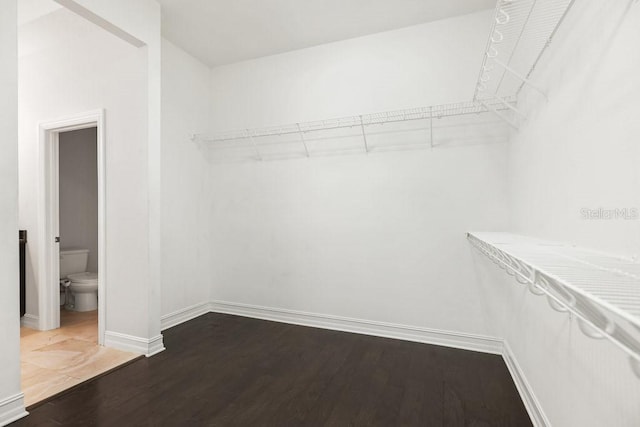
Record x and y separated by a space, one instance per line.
601 290
353 134
519 34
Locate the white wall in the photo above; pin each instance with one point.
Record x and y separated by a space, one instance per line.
11 399
79 192
578 150
186 254
377 237
423 65
88 68
138 23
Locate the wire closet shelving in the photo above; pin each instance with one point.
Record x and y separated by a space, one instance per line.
602 291
308 139
521 31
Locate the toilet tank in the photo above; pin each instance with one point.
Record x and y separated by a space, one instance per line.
73 261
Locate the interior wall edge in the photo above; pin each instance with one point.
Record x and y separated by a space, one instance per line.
184 315
30 321
453 339
11 399
147 346
12 409
531 402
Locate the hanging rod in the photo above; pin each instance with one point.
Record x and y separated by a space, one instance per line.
358 121
602 291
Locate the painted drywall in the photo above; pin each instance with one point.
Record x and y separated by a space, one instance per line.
11 400
378 237
577 381
374 237
186 255
423 65
78 185
222 32
138 23
88 69
30 10
577 151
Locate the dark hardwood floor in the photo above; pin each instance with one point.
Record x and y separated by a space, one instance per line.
221 370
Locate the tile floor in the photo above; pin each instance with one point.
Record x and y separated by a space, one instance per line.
53 361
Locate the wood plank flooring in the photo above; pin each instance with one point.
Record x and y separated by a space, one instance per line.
53 361
222 370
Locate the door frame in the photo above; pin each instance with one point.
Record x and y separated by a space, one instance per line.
49 221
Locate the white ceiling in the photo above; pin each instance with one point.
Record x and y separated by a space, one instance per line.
224 31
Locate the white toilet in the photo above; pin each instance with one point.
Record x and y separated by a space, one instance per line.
84 284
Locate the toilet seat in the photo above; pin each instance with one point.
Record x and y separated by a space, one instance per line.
86 278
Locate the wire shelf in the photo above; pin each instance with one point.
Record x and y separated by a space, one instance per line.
520 33
422 113
354 131
601 290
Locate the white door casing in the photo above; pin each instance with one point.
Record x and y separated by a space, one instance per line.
48 217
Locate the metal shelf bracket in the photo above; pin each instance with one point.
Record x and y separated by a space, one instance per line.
304 143
364 136
495 111
522 78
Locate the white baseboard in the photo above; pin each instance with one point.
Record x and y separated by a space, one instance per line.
531 403
12 409
30 321
367 327
180 316
147 346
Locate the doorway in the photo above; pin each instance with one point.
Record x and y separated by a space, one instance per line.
78 225
78 354
51 134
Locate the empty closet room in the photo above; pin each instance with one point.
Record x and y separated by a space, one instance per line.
328 213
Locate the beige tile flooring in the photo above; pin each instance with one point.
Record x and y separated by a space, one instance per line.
53 361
